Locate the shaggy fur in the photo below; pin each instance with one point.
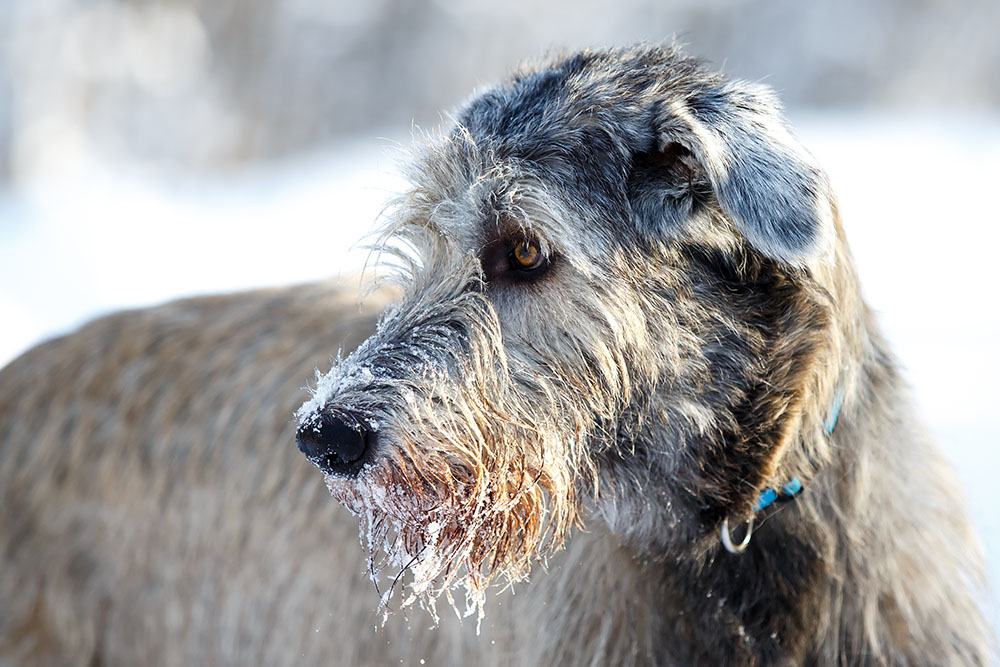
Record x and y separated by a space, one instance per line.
694 320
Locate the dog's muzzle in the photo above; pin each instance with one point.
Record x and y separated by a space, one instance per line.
336 447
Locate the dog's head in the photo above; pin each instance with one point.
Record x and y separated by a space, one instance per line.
610 307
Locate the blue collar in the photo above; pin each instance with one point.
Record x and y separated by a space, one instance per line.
788 490
792 488
830 422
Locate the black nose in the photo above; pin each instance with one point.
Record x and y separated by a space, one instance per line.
335 446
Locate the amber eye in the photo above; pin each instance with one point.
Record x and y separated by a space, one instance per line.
526 256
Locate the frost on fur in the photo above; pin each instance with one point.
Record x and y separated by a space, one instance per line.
472 478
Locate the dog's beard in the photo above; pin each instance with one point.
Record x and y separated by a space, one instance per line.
438 525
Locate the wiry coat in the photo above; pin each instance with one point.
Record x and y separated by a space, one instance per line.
696 321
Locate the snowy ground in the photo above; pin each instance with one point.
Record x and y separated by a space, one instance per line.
84 237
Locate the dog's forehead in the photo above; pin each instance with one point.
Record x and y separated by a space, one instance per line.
572 131
552 150
549 150
472 189
495 195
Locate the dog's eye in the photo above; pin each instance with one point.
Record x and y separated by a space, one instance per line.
527 257
513 260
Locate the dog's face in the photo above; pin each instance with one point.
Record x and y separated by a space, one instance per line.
607 305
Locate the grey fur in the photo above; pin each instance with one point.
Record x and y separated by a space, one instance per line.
699 314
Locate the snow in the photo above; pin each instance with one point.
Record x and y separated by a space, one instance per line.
85 237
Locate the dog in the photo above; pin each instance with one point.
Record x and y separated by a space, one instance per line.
618 400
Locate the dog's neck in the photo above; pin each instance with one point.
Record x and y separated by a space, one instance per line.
830 573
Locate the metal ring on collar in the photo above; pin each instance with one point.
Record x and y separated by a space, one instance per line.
727 540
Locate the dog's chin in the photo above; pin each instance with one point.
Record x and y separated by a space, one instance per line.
430 538
403 535
355 492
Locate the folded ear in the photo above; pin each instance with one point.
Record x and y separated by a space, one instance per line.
734 142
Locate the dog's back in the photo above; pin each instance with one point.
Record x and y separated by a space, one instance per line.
154 506
156 511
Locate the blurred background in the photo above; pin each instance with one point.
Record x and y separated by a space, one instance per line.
157 148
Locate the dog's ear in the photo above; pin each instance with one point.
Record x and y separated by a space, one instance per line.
732 142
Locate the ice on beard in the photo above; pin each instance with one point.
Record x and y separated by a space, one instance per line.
423 542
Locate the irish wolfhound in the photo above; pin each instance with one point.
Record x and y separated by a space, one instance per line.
630 355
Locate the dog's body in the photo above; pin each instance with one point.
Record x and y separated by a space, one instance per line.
628 305
148 520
